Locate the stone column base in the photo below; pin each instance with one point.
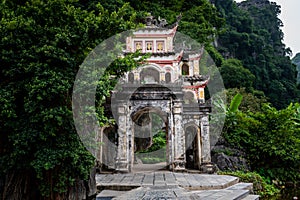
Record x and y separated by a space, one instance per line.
122 165
179 165
208 168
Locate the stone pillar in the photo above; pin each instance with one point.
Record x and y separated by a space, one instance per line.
196 67
136 77
162 77
207 166
206 158
199 147
130 141
170 150
179 138
122 151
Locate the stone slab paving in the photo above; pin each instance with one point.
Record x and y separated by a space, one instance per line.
172 186
185 180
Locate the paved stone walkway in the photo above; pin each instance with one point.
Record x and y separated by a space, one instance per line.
184 180
165 185
165 193
145 168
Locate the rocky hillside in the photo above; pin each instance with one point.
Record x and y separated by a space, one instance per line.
296 61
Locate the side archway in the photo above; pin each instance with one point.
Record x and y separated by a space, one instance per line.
193 146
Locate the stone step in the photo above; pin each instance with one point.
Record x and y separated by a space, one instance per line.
156 192
241 186
109 194
171 193
223 194
251 197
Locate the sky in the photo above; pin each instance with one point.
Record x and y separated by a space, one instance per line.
290 16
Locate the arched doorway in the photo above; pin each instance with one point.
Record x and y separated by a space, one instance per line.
149 75
168 77
150 139
193 147
138 112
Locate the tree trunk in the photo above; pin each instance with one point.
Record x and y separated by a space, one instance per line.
18 185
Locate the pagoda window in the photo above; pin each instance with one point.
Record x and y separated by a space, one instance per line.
160 46
185 70
149 46
168 77
138 46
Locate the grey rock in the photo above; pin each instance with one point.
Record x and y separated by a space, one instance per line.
231 163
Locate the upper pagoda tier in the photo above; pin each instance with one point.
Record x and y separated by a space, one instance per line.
155 38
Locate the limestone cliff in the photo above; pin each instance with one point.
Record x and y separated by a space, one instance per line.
296 61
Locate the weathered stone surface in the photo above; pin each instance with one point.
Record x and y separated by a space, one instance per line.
233 162
92 188
156 185
185 180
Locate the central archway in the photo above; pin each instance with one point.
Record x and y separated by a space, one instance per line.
135 116
150 143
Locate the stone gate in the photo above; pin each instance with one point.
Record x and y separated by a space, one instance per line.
169 85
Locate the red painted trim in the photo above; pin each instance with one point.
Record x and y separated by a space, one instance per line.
153 36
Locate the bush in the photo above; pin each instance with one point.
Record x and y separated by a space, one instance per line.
270 138
260 185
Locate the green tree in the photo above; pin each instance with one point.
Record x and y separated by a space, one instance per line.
235 75
42 45
253 35
252 101
270 139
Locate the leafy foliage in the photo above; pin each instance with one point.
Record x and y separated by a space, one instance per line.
43 44
158 146
260 185
270 138
236 102
159 142
235 75
252 101
253 35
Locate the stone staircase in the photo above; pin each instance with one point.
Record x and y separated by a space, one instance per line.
239 191
169 186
